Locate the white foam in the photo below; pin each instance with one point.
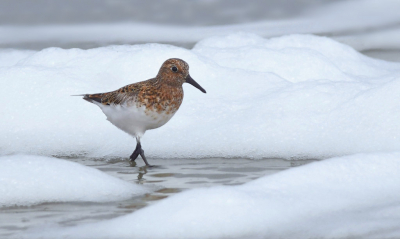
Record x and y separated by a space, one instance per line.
27 180
354 196
291 97
9 57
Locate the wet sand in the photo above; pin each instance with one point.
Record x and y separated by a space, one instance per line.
166 178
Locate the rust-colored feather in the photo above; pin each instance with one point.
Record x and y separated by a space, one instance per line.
163 93
153 94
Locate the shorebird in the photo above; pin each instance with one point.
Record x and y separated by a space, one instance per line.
148 104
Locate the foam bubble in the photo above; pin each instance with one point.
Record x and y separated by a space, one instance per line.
26 180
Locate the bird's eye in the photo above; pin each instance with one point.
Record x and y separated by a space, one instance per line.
174 69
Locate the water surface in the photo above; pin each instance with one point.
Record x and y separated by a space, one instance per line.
166 178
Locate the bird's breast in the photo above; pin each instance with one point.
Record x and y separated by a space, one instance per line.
135 120
165 100
147 110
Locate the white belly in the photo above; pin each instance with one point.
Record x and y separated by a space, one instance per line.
134 121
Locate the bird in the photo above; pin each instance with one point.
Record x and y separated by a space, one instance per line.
148 104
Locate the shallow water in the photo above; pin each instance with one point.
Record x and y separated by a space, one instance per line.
166 178
387 54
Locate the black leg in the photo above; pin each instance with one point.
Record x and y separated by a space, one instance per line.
135 154
144 158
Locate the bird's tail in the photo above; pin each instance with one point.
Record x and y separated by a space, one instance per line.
91 98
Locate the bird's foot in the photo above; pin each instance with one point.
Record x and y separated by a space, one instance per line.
139 151
144 158
132 163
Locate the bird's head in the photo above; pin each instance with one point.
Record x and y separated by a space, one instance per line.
175 72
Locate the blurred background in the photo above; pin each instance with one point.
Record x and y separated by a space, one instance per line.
179 12
370 26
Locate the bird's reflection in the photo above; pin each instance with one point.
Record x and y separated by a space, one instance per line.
142 172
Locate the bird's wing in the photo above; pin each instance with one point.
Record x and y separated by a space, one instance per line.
119 96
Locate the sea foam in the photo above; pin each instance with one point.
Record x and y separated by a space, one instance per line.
26 180
296 96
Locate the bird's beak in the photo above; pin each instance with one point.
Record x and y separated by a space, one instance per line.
194 83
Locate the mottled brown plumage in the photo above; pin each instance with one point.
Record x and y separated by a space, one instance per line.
162 93
148 104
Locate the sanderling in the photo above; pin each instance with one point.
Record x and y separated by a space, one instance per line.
147 104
